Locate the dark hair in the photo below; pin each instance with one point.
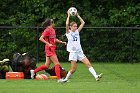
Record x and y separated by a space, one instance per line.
47 23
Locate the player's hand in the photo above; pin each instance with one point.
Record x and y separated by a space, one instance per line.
50 45
64 43
77 14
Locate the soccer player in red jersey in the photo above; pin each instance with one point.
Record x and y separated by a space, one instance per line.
49 38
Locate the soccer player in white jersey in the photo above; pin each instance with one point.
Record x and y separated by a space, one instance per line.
74 48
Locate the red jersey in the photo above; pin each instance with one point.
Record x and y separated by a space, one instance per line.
50 37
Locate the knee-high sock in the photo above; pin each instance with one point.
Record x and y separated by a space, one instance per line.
68 75
92 71
57 71
40 68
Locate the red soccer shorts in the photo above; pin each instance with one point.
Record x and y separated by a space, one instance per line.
50 51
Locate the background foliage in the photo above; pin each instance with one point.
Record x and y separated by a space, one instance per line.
96 13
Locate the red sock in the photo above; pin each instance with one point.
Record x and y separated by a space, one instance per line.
42 67
57 71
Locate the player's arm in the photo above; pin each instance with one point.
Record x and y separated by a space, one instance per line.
43 40
59 41
67 23
82 23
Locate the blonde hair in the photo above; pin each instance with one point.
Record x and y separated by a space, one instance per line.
72 23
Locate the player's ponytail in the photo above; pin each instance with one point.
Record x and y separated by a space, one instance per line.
47 23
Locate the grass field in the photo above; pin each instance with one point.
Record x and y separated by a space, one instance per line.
117 78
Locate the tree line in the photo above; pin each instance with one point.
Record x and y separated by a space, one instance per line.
96 13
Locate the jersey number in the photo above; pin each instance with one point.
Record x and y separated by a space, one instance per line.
74 38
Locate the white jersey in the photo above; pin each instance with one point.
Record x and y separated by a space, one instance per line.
73 44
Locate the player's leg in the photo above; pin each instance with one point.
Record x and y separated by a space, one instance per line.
40 68
54 59
73 59
45 66
72 70
88 64
91 69
84 59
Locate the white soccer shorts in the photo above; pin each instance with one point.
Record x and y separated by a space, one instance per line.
74 56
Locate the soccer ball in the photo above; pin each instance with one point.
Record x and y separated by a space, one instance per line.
72 11
41 77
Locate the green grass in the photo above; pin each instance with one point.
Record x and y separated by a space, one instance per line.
117 78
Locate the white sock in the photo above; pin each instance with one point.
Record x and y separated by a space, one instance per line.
92 71
68 75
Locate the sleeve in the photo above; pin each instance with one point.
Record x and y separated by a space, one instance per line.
45 33
77 31
67 34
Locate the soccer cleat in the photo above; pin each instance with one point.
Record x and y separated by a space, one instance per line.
64 80
99 76
32 74
59 81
